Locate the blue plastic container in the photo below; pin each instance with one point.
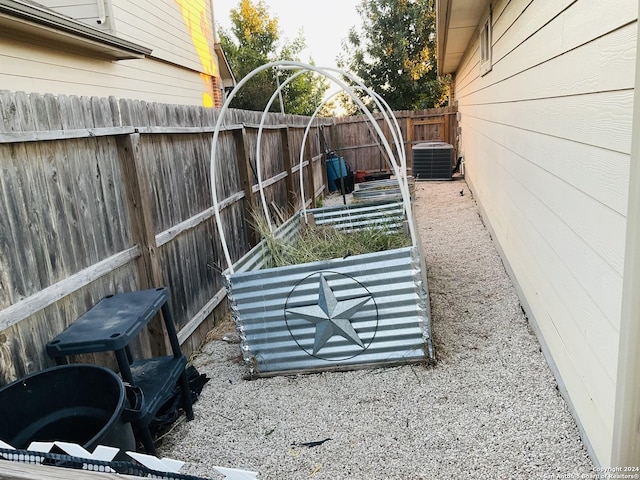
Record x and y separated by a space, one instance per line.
336 168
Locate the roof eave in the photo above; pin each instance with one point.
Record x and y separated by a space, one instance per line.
443 9
25 17
226 74
456 28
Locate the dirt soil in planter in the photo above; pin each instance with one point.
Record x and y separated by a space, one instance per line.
489 408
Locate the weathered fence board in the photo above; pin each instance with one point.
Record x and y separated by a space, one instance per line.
106 195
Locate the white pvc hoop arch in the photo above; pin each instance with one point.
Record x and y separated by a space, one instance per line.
399 171
402 180
384 107
297 65
265 209
397 135
304 141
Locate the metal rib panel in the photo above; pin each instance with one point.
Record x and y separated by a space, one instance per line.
271 309
382 190
365 213
391 194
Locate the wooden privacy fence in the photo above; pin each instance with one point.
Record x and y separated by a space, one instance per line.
359 144
103 195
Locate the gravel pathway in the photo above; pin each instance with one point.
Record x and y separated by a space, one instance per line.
489 408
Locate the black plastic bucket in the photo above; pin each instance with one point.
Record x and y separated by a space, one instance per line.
80 404
346 183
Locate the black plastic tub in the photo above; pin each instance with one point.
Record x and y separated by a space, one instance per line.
373 176
346 184
81 404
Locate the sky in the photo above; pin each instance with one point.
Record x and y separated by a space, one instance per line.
325 24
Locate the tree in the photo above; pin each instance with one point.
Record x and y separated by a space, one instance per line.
341 105
394 53
255 40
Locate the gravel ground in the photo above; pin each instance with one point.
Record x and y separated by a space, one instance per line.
489 408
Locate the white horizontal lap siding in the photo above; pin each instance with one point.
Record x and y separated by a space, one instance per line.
546 31
86 11
579 337
568 74
159 25
37 68
546 138
563 213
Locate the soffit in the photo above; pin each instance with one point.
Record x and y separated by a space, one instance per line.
457 21
29 18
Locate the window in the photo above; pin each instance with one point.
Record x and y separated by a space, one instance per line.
485 44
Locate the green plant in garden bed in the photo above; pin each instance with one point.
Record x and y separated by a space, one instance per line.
315 242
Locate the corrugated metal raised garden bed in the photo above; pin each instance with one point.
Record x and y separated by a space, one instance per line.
378 190
333 314
340 313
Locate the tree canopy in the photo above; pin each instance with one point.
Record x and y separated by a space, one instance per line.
254 40
394 53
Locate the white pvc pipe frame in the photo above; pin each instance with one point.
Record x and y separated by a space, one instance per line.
379 101
382 106
398 169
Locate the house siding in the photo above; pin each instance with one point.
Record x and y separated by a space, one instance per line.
182 68
180 31
159 23
37 68
546 138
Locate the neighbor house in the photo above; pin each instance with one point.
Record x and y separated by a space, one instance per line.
545 92
157 51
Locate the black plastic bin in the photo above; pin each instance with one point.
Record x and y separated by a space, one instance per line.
346 184
81 404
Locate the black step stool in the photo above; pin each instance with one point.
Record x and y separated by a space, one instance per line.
110 326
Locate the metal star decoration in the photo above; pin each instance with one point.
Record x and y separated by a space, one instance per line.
331 316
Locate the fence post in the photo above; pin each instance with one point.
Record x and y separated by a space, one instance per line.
387 135
312 188
445 125
286 160
409 128
141 224
245 169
